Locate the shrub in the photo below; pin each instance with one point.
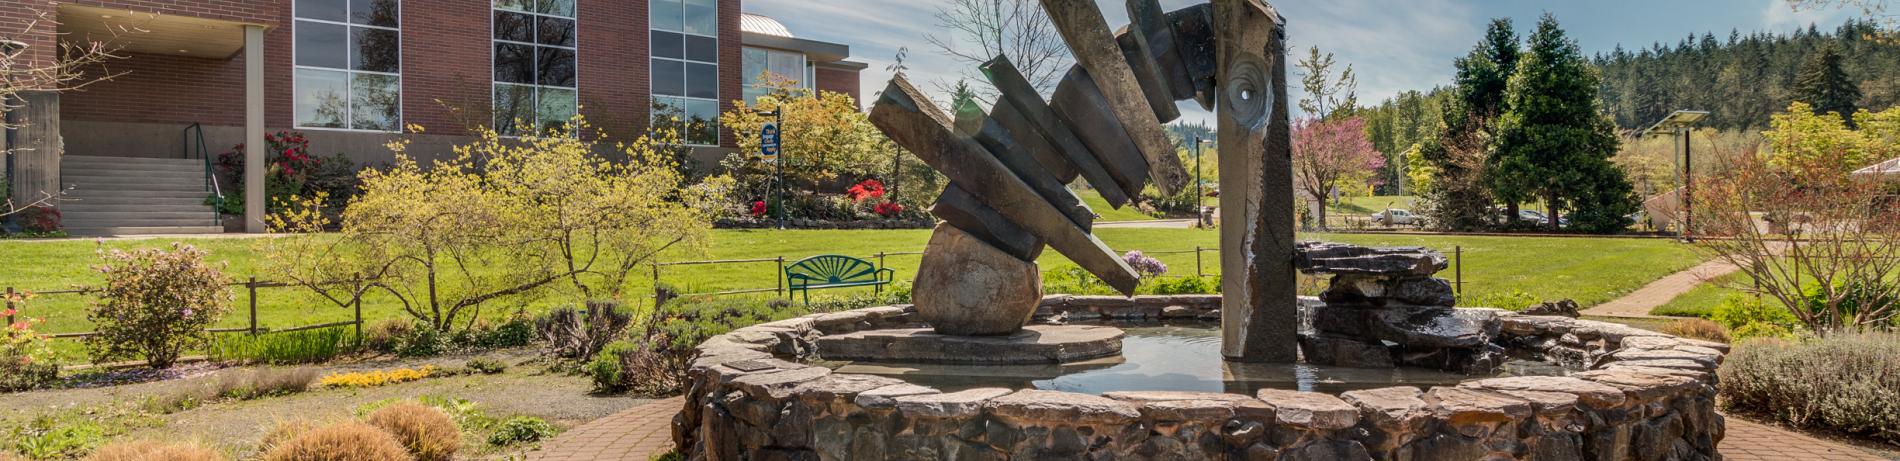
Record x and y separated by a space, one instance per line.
284 431
57 438
24 354
579 335
233 384
428 433
377 377
486 366
520 429
516 331
1146 266
1842 382
1186 286
1747 317
146 450
405 338
382 335
296 347
155 304
349 441
1698 329
654 363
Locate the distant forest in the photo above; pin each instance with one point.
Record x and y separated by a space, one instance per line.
1743 78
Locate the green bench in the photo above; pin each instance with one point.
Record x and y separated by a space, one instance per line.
834 271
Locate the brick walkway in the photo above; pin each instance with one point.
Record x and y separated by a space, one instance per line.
636 434
1747 441
1660 292
640 433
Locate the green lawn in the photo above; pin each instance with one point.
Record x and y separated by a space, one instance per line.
1702 299
1370 205
1499 271
1094 200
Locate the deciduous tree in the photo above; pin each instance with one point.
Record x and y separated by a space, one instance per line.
1331 154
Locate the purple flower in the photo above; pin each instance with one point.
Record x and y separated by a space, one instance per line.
1144 265
187 312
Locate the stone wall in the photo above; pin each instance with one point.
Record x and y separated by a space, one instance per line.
1646 396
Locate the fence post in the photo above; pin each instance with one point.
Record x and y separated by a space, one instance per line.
9 325
251 286
1458 262
1197 263
656 286
781 275
880 260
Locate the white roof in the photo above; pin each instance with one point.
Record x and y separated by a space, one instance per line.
756 24
1887 167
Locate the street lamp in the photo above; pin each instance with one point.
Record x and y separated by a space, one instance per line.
1679 123
778 152
1199 199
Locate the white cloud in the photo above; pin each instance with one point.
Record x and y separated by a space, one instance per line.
1779 15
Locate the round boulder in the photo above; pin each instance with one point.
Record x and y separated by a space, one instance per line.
967 287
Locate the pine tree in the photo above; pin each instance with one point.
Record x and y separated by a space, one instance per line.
1552 142
1822 83
1484 73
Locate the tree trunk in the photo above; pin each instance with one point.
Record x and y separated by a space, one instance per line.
1550 212
1510 213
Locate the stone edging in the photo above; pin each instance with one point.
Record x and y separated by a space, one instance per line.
1647 396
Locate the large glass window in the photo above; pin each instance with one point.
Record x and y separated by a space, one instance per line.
348 64
763 67
534 64
685 68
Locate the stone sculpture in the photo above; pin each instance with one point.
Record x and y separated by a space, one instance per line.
1383 308
1009 168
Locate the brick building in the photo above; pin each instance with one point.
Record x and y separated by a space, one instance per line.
352 74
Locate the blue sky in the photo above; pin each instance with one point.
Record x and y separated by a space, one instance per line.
1394 45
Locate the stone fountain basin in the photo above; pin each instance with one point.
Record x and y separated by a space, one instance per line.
1644 396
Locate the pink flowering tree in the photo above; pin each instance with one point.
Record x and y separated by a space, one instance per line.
1329 153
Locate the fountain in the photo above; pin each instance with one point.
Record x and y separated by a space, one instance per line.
1381 365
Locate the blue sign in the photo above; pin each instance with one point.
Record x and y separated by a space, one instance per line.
768 142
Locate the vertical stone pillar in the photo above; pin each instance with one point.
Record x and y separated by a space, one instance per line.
1259 310
254 129
36 149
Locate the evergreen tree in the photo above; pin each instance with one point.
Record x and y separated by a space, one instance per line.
1484 73
1552 142
1822 83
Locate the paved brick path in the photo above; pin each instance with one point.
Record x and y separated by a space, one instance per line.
636 434
1660 292
640 433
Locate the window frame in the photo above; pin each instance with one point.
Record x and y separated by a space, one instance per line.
807 78
686 63
535 53
349 87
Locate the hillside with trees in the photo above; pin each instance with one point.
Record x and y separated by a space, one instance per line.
1742 79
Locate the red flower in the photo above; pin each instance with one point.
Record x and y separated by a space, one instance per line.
869 189
888 209
758 208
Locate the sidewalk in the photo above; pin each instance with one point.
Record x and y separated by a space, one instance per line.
1638 304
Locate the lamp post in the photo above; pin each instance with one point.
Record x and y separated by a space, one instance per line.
1679 123
778 154
1200 204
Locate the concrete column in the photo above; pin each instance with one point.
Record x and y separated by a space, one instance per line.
254 129
37 147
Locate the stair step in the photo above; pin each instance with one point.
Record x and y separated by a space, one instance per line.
71 170
202 212
89 207
103 182
146 230
132 200
129 160
204 219
100 190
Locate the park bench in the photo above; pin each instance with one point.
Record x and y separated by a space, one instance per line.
834 271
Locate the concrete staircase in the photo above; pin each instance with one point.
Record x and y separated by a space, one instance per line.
107 196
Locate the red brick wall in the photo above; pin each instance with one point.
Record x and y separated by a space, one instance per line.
446 65
840 81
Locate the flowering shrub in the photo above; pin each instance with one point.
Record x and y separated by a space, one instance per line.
1144 265
23 352
888 209
758 209
1842 382
41 219
867 190
155 304
291 171
376 378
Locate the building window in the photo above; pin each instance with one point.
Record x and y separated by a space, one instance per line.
348 57
534 64
685 49
762 66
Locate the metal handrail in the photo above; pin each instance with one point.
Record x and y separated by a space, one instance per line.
211 178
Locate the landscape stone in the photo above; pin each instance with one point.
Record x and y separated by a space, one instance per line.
1163 396
1033 142
1435 328
1148 72
1344 259
1055 406
1564 308
958 208
1382 290
1398 409
1344 351
1083 108
967 287
1590 393
1194 39
1036 344
886 396
1148 19
1309 410
952 405
1083 28
1008 150
1475 413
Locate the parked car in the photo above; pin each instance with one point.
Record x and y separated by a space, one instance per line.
1396 217
1537 217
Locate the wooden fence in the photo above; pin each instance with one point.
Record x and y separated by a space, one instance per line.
250 285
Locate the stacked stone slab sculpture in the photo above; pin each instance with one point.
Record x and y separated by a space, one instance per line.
1383 308
1009 168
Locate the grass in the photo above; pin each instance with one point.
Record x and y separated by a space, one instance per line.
1701 300
1510 272
307 346
1370 205
1094 200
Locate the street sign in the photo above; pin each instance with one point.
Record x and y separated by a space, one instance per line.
768 142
